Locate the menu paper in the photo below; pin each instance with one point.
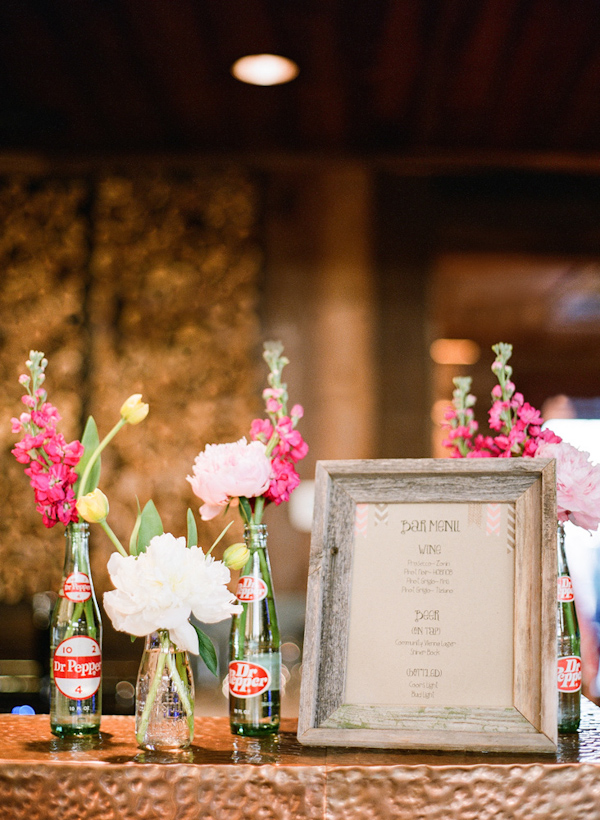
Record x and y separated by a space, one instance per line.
431 605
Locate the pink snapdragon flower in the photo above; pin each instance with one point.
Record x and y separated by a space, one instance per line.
46 416
291 444
529 415
223 472
516 422
273 406
284 480
519 433
51 460
53 490
497 414
288 442
459 420
577 484
261 430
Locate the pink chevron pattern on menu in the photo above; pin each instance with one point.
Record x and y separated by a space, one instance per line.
361 520
492 523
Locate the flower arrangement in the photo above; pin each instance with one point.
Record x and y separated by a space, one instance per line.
252 474
159 584
61 473
516 430
158 587
161 580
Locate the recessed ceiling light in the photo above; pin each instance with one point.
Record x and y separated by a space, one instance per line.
455 351
264 69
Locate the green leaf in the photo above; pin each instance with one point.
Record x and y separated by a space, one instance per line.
150 525
219 537
90 441
245 509
207 650
192 530
133 548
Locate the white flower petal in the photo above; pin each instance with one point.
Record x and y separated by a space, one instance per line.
185 638
159 588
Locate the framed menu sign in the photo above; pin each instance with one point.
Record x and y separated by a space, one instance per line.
431 606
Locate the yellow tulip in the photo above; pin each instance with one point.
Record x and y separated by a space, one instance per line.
93 507
134 410
236 556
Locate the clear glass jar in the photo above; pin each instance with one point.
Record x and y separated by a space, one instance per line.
164 712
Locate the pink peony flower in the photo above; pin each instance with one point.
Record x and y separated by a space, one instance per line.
577 484
226 471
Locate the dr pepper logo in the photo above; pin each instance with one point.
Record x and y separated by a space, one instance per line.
77 666
250 589
77 587
569 674
246 680
565 589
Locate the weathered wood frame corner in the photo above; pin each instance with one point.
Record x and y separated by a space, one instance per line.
529 484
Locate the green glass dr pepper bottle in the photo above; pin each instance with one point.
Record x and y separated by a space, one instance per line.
568 646
76 645
255 657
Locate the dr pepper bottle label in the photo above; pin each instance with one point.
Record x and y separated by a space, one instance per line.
250 589
77 667
247 679
569 674
564 589
77 587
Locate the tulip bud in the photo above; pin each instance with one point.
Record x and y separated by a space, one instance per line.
93 507
134 410
236 556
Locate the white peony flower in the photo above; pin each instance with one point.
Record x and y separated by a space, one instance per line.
162 587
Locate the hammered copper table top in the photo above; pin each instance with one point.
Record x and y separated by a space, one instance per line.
226 778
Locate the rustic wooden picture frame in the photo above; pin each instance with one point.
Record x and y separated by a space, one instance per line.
530 723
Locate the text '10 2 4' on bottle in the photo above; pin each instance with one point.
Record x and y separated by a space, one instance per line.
76 645
255 659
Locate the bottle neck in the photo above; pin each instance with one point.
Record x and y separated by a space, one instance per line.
77 555
563 567
255 536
